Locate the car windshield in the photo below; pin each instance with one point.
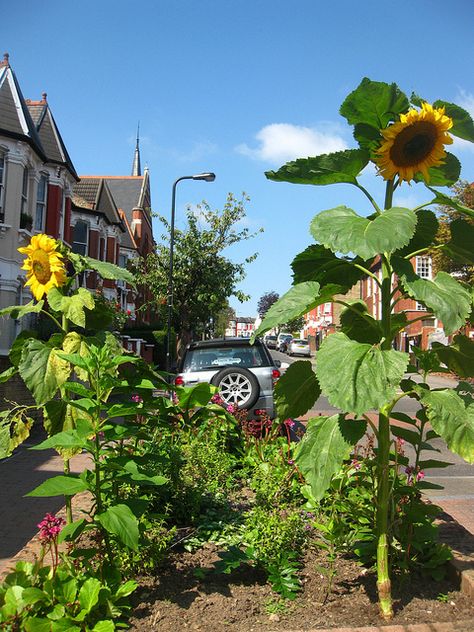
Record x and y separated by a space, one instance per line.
301 342
271 337
217 357
286 338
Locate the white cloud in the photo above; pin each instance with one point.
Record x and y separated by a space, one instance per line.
407 201
466 101
280 142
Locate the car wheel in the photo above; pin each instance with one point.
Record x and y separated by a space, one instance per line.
237 386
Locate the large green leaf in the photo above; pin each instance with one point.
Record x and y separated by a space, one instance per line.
320 264
59 486
297 390
446 200
463 126
89 593
458 356
444 175
299 300
325 445
374 103
425 232
461 245
452 418
341 166
72 306
444 296
65 439
18 311
110 271
356 377
120 521
42 370
358 325
7 374
367 136
131 468
342 230
195 396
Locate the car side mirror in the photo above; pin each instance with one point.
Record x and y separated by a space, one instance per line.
277 363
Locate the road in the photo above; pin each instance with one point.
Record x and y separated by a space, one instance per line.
457 495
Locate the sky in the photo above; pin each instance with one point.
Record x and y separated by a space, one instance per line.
237 87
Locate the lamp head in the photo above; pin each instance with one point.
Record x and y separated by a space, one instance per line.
208 177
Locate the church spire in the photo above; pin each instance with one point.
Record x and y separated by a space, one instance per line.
136 168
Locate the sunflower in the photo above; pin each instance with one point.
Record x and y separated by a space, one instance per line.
414 144
43 264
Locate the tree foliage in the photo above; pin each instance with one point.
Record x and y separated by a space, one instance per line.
266 301
203 277
448 220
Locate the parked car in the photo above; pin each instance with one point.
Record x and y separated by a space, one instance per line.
283 341
299 346
271 342
245 374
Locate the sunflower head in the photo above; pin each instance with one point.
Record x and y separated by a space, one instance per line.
414 143
43 264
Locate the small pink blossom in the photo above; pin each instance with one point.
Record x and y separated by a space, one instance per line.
289 423
137 399
231 408
50 527
420 475
355 464
217 399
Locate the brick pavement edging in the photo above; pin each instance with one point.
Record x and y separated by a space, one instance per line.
457 626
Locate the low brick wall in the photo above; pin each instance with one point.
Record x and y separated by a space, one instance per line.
14 389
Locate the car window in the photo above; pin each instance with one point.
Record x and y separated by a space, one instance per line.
218 357
301 342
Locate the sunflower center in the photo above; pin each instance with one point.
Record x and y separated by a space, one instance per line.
413 144
40 266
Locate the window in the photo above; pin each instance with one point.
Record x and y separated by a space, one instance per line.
2 187
423 270
41 202
80 235
24 193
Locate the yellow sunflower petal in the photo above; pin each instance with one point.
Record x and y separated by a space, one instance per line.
414 143
43 265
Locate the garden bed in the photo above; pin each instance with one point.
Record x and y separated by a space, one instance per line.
175 599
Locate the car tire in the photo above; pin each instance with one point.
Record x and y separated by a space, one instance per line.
237 386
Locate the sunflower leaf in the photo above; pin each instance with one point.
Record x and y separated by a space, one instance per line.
299 300
355 376
426 229
342 230
325 445
463 126
374 103
320 264
42 370
110 271
18 311
460 247
341 166
358 325
446 200
297 390
444 296
444 175
458 356
452 418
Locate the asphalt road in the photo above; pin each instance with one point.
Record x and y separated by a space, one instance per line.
456 479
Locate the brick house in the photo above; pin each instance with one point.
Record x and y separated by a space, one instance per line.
240 327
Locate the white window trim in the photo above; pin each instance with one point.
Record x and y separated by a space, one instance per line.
83 221
44 203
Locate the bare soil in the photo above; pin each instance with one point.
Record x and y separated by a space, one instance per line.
175 599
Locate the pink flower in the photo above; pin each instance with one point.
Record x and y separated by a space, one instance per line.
231 408
137 399
289 423
355 464
217 399
129 312
50 527
420 475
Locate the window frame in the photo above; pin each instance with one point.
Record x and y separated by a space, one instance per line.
41 204
86 243
25 189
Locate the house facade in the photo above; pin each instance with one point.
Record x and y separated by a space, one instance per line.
105 217
241 327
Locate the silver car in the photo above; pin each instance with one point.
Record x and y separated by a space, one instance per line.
245 374
299 347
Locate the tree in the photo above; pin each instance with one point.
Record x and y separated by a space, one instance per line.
222 319
266 301
449 220
203 278
294 325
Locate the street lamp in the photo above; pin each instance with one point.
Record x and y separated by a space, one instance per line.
207 177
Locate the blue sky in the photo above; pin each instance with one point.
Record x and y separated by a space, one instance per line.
236 87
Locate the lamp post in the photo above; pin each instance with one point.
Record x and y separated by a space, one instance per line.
207 177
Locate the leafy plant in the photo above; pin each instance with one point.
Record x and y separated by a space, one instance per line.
358 369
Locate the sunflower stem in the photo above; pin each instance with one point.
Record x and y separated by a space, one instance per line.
67 462
55 320
371 199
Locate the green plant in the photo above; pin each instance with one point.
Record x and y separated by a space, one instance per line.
34 598
358 369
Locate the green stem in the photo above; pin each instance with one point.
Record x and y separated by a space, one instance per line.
423 250
367 272
55 320
372 201
67 462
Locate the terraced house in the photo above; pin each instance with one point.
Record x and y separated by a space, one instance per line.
105 217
